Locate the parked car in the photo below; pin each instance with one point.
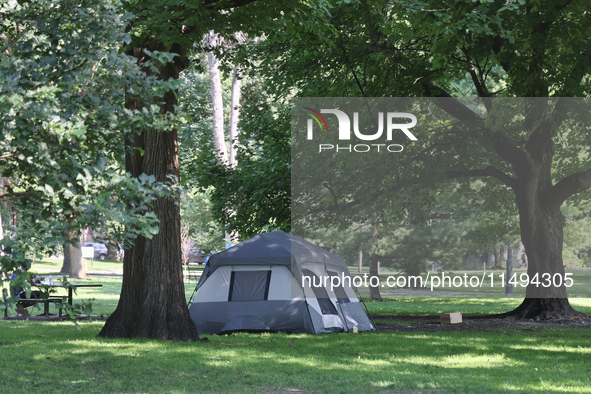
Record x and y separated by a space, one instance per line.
196 256
100 250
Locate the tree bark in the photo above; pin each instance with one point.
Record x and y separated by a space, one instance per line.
217 102
73 263
1 227
541 228
235 106
67 264
234 115
77 266
219 137
509 285
152 302
497 265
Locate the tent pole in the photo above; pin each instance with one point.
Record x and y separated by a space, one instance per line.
365 306
192 297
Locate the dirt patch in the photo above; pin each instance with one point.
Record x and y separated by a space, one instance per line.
470 323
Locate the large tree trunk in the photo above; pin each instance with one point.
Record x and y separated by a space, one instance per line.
542 235
538 198
77 266
153 302
73 263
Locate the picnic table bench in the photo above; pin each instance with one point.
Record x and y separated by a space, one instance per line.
53 299
45 302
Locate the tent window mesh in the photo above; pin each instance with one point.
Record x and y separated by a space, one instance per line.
339 290
326 306
249 285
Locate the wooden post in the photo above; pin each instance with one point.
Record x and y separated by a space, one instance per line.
360 260
509 286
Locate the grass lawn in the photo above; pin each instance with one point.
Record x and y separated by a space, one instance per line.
108 273
468 305
58 357
52 266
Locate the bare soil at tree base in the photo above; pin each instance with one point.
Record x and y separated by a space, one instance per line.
432 323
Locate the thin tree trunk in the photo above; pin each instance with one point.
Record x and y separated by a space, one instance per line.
218 116
234 115
374 291
185 242
497 265
509 264
1 227
217 102
234 118
152 302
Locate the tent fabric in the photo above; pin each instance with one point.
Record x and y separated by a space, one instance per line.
257 285
287 316
245 322
274 248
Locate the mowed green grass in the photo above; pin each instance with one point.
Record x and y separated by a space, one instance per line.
60 357
103 299
52 266
107 273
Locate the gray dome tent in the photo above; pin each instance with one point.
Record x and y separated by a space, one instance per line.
276 282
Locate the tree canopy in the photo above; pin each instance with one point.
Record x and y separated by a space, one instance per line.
85 92
62 86
436 49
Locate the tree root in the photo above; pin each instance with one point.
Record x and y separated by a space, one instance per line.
543 309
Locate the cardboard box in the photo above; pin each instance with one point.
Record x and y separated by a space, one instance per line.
451 318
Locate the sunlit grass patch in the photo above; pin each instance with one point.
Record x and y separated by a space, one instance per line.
501 360
357 363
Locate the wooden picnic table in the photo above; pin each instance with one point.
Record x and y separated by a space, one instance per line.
71 288
53 299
